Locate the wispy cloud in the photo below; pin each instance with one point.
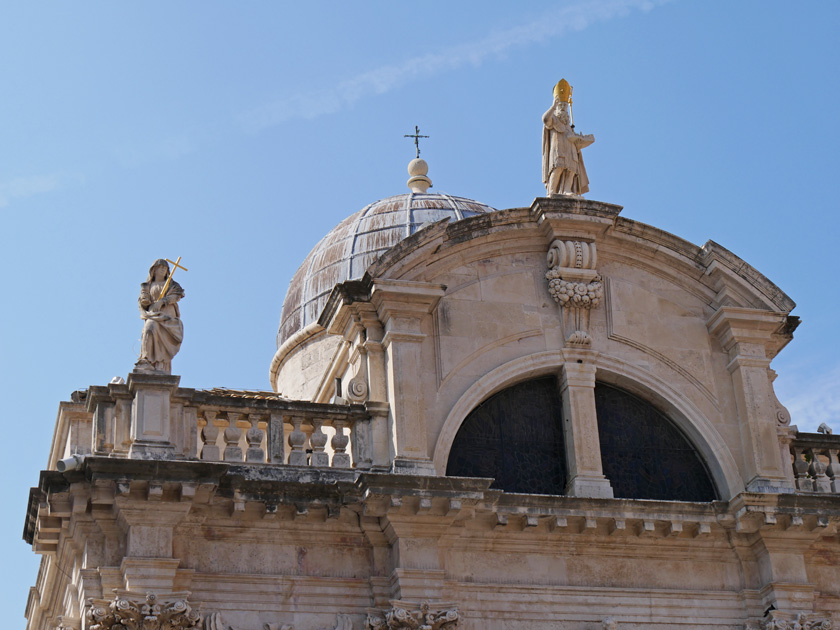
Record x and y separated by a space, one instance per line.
813 401
22 187
307 105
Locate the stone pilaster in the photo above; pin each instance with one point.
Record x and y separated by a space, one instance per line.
784 575
151 422
746 335
148 564
402 307
416 549
580 428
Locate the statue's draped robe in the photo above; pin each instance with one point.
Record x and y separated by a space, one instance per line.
561 151
162 330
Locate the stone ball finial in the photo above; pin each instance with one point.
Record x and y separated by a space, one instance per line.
419 182
418 166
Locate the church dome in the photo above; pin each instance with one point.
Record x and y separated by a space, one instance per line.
355 243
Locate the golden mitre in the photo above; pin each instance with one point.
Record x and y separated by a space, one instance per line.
563 91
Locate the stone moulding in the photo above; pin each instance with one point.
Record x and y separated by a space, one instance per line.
133 611
414 616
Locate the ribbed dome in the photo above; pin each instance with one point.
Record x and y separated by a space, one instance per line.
355 243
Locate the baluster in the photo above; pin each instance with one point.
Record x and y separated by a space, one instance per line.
833 470
255 435
233 452
297 442
341 459
817 471
800 470
210 452
317 441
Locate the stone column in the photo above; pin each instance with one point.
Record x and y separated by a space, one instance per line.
746 334
580 427
151 423
402 307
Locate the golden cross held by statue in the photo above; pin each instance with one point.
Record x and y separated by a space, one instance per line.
175 266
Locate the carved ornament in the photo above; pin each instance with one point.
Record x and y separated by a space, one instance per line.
412 616
778 620
574 283
127 611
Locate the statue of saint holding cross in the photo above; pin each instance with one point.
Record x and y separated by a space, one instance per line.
162 327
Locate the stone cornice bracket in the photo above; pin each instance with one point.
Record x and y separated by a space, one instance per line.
778 620
574 283
139 612
414 616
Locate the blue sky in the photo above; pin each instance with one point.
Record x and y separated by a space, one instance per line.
236 135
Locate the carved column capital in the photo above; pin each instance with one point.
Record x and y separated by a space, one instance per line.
780 620
149 612
414 616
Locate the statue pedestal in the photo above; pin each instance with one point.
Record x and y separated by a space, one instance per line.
151 425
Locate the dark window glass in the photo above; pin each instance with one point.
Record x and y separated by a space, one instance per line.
645 456
515 437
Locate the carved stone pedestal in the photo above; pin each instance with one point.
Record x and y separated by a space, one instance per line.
151 425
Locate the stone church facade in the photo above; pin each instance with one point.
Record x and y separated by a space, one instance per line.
549 416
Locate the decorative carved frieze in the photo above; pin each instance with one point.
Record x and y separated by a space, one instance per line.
574 283
413 616
778 620
132 611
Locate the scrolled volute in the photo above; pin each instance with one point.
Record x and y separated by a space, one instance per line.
412 616
130 611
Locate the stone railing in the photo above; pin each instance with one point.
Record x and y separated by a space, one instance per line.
816 467
288 432
150 417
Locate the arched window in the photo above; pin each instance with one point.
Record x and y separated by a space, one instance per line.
644 455
515 437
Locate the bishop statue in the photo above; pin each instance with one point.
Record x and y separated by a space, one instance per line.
563 171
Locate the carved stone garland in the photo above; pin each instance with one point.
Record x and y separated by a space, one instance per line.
127 612
778 620
575 285
412 616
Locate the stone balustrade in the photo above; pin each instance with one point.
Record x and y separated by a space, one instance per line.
150 417
313 437
816 467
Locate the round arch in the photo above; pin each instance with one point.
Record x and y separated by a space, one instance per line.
612 370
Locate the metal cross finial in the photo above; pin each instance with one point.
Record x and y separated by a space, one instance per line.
416 137
175 266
